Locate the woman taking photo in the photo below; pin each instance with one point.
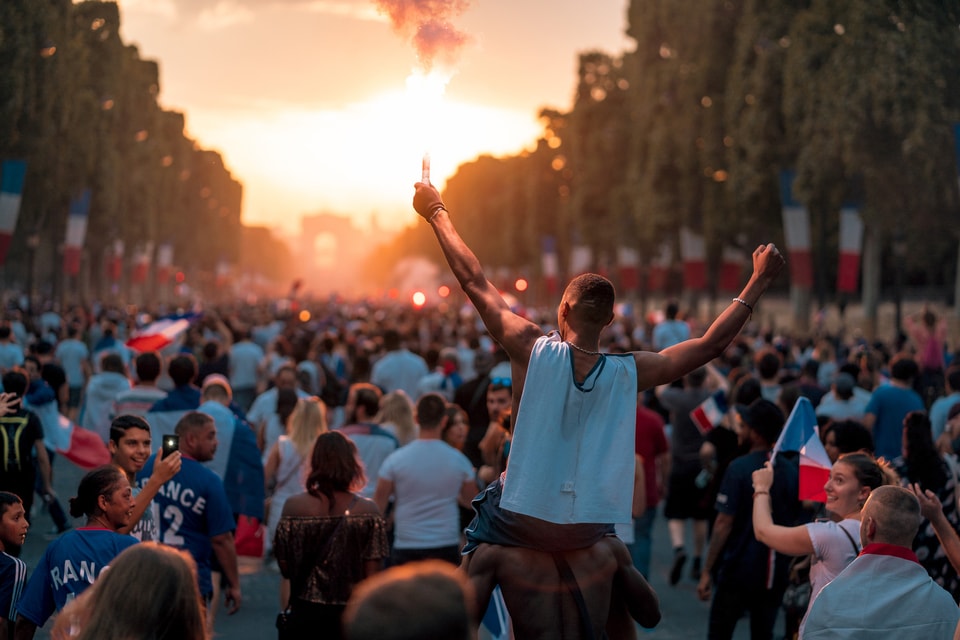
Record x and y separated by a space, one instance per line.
834 543
104 496
328 540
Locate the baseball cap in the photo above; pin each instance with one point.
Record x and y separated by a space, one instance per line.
762 416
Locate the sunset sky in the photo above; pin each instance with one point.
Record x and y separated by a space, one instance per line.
308 100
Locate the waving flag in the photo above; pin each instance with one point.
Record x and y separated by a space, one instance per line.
161 333
710 412
801 434
496 620
82 447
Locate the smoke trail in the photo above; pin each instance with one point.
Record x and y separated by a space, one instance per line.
426 23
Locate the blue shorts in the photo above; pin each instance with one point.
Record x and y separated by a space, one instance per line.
494 525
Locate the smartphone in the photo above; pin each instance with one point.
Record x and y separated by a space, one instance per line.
171 443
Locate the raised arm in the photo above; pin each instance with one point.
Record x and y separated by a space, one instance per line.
674 362
792 541
515 334
932 510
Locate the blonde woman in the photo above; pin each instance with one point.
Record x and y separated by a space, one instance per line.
287 462
396 416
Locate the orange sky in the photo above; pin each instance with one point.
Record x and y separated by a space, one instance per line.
308 99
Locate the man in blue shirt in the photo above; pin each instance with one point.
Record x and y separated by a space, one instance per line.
890 404
195 513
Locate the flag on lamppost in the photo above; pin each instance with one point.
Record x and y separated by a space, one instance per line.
796 233
76 233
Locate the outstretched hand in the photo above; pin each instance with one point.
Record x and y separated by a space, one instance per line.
427 200
768 262
930 507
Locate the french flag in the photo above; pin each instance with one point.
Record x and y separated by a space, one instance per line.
161 333
496 620
82 447
710 412
801 434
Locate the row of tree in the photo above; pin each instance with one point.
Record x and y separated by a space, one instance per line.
693 128
80 107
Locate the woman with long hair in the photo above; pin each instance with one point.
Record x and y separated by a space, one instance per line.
922 464
285 470
328 539
123 605
833 543
105 498
396 416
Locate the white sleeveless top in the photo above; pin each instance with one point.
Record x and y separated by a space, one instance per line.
572 456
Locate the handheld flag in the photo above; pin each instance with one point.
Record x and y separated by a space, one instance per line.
710 412
801 434
161 333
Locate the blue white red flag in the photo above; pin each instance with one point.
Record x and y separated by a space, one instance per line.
80 446
802 434
162 332
710 412
497 619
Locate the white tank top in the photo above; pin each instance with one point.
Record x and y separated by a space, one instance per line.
572 456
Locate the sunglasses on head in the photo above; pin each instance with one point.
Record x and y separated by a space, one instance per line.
501 383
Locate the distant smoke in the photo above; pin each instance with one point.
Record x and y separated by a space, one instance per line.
427 24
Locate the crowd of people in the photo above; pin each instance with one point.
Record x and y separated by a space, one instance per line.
358 435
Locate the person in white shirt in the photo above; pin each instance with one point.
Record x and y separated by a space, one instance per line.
427 479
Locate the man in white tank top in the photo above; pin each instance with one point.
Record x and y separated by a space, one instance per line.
570 472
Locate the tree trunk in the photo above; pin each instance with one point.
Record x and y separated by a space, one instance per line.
800 300
871 280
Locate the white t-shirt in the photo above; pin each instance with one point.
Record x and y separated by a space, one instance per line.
427 477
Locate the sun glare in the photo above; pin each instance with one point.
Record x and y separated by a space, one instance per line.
362 158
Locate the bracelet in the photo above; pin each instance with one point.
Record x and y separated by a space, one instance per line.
435 214
760 493
744 303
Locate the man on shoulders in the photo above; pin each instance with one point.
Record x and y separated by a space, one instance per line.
884 592
427 522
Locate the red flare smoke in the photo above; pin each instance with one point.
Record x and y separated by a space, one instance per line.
426 23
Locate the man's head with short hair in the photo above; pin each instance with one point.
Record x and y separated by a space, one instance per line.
431 411
764 418
217 388
148 366
129 443
590 298
903 368
363 397
183 369
286 377
112 362
5 332
15 381
672 310
768 363
440 595
198 435
696 378
891 515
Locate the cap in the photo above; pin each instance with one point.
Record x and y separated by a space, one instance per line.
762 416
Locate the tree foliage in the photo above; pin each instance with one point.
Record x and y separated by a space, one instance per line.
81 108
694 126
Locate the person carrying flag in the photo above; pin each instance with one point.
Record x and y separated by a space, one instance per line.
741 573
834 543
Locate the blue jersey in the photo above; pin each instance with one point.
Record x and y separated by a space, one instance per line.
69 565
13 575
193 509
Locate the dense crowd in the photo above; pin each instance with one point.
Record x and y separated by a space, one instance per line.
359 433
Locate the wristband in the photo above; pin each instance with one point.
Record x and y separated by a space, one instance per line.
435 214
744 303
760 493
